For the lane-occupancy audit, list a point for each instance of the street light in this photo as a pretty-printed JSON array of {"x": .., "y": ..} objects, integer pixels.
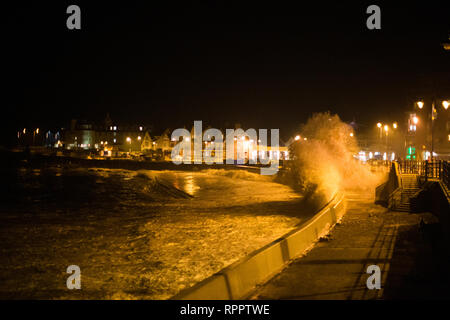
[
  {"x": 129, "y": 141},
  {"x": 420, "y": 104},
  {"x": 297, "y": 138},
  {"x": 380, "y": 126},
  {"x": 445, "y": 104},
  {"x": 386, "y": 129},
  {"x": 394, "y": 125}
]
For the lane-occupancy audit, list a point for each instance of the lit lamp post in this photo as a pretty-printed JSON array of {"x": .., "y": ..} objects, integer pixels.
[
  {"x": 35, "y": 132},
  {"x": 420, "y": 104},
  {"x": 129, "y": 142},
  {"x": 446, "y": 45},
  {"x": 386, "y": 130}
]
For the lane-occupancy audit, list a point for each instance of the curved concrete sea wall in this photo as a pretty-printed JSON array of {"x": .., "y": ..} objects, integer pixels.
[{"x": 239, "y": 279}]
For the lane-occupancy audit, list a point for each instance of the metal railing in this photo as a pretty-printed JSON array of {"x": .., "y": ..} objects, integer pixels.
[
  {"x": 437, "y": 169},
  {"x": 412, "y": 167},
  {"x": 446, "y": 174}
]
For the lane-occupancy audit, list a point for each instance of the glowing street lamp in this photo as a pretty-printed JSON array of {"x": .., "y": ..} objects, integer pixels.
[
  {"x": 351, "y": 134},
  {"x": 420, "y": 104},
  {"x": 129, "y": 141},
  {"x": 394, "y": 125},
  {"x": 445, "y": 104},
  {"x": 297, "y": 138},
  {"x": 386, "y": 128},
  {"x": 380, "y": 126},
  {"x": 416, "y": 120}
]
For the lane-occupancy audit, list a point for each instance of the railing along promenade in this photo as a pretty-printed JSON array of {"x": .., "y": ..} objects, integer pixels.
[{"x": 434, "y": 170}]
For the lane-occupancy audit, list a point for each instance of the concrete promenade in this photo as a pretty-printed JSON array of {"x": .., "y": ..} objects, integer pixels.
[{"x": 409, "y": 254}]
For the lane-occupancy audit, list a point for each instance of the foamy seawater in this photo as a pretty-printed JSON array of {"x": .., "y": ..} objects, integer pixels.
[{"x": 135, "y": 234}]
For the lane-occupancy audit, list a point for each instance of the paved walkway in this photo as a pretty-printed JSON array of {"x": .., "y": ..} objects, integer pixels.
[{"x": 408, "y": 255}]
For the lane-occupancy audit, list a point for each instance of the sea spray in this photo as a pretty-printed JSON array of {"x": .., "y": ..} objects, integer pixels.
[{"x": 323, "y": 160}]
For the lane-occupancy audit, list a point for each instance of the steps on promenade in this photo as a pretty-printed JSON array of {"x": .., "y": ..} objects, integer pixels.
[{"x": 401, "y": 199}]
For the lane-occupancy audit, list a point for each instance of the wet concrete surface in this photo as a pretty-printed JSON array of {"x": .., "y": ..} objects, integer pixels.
[{"x": 411, "y": 256}]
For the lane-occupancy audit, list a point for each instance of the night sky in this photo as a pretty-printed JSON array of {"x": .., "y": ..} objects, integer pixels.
[{"x": 262, "y": 65}]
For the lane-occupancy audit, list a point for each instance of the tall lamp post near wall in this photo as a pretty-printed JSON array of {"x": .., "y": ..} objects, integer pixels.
[
  {"x": 386, "y": 130},
  {"x": 129, "y": 142},
  {"x": 445, "y": 104}
]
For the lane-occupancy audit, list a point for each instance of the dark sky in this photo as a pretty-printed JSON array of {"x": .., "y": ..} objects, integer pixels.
[{"x": 262, "y": 65}]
